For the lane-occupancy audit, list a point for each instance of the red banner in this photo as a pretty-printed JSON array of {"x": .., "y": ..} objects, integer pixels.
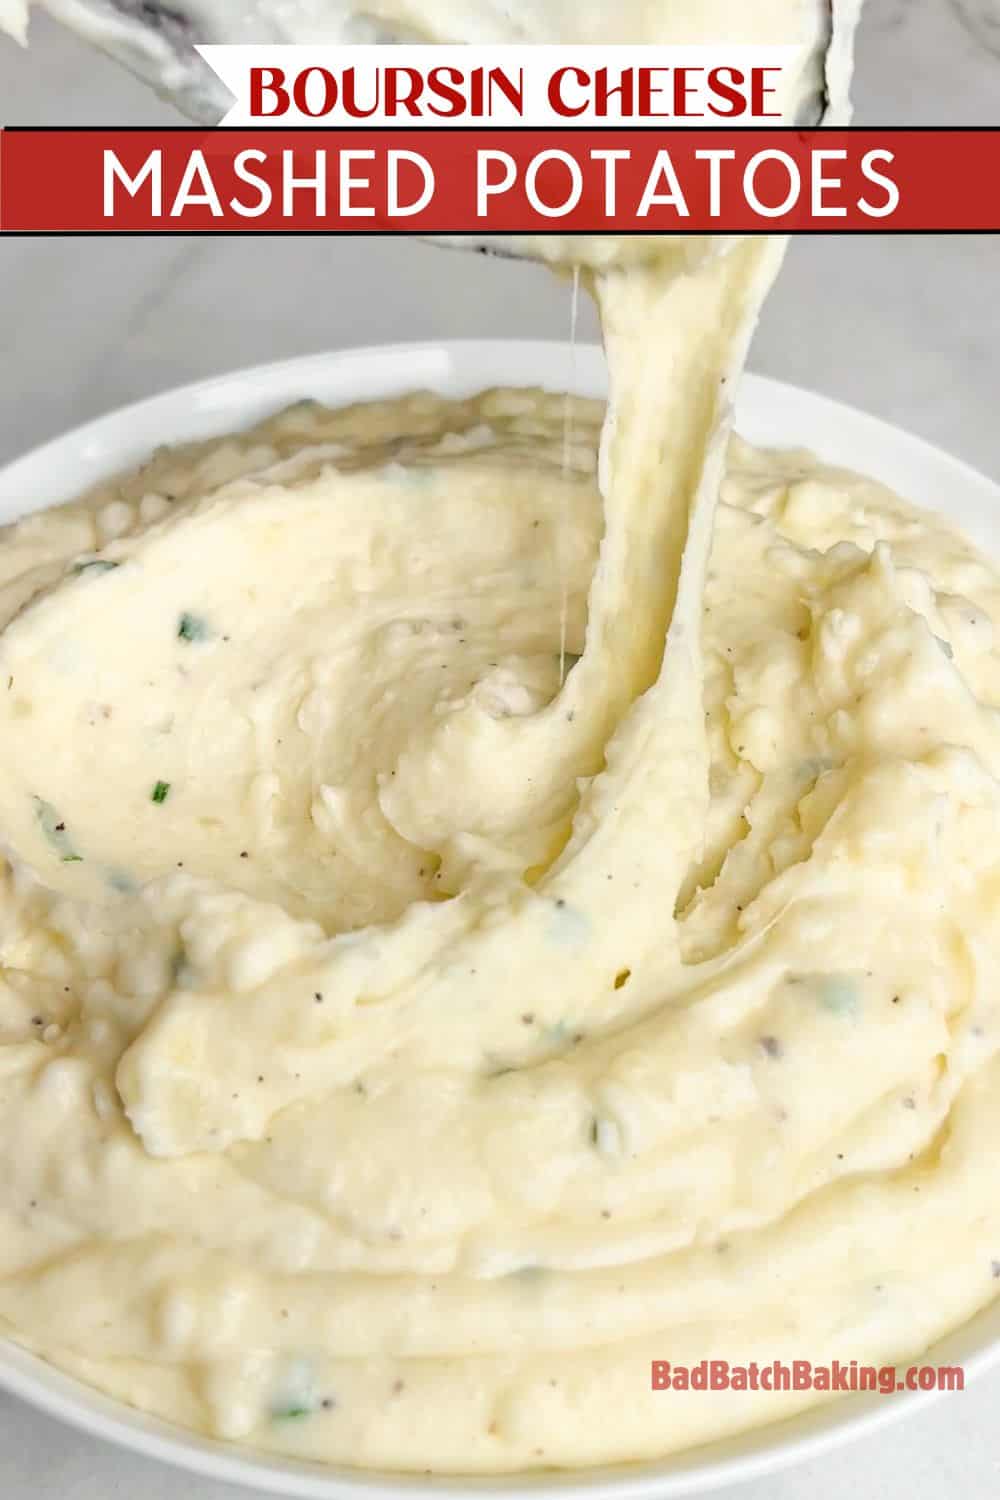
[{"x": 499, "y": 181}]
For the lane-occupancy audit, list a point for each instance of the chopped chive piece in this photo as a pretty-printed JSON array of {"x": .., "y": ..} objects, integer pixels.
[
  {"x": 529, "y": 1272},
  {"x": 192, "y": 628},
  {"x": 55, "y": 833},
  {"x": 96, "y": 565},
  {"x": 161, "y": 791},
  {"x": 839, "y": 993},
  {"x": 295, "y": 1394},
  {"x": 182, "y": 973}
]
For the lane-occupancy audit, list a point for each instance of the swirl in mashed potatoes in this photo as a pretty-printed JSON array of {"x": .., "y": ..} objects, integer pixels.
[{"x": 466, "y": 941}]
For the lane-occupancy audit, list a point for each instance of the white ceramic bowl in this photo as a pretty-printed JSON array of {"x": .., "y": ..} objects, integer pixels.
[{"x": 768, "y": 413}]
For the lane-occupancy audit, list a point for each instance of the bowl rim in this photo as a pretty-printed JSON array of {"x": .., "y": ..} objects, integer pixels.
[{"x": 68, "y": 464}]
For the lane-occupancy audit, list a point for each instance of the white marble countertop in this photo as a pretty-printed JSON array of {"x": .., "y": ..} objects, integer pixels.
[{"x": 906, "y": 327}]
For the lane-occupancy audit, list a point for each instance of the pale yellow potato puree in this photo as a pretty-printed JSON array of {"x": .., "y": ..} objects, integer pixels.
[{"x": 442, "y": 1045}]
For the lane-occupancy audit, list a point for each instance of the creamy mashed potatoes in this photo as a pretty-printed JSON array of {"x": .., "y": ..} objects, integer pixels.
[
  {"x": 467, "y": 938},
  {"x": 370, "y": 1090}
]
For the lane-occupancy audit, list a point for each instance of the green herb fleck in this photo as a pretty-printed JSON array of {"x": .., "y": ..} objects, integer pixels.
[
  {"x": 569, "y": 927},
  {"x": 605, "y": 1136},
  {"x": 182, "y": 973},
  {"x": 160, "y": 792},
  {"x": 192, "y": 628},
  {"x": 295, "y": 1396},
  {"x": 54, "y": 829},
  {"x": 839, "y": 993},
  {"x": 562, "y": 1034},
  {"x": 529, "y": 1272},
  {"x": 96, "y": 565}
]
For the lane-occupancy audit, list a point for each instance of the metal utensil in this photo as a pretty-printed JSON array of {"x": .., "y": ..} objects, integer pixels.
[{"x": 156, "y": 40}]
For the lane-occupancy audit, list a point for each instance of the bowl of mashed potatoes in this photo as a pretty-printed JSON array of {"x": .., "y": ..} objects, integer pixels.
[{"x": 457, "y": 952}]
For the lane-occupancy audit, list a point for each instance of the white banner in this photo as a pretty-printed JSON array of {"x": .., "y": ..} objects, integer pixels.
[{"x": 571, "y": 87}]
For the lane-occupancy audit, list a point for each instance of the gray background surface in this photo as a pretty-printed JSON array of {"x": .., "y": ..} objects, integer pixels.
[{"x": 906, "y": 327}]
